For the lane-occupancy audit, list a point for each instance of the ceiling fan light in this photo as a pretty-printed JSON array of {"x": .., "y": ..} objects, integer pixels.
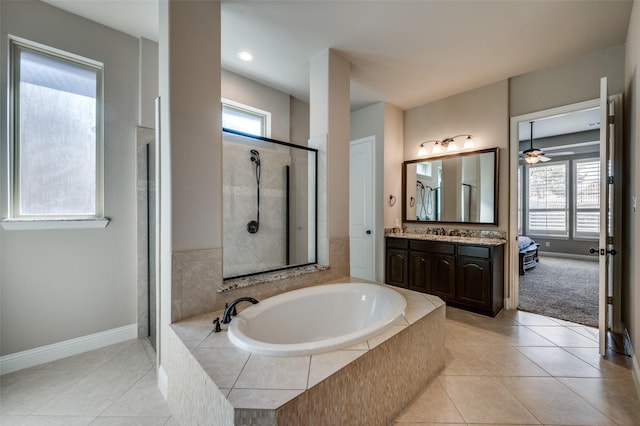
[
  {"x": 532, "y": 159},
  {"x": 468, "y": 143}
]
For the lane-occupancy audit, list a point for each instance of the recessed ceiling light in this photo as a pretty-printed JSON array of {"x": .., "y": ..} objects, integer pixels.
[{"x": 245, "y": 56}]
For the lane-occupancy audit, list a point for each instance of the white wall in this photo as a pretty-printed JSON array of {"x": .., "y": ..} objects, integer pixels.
[
  {"x": 62, "y": 284},
  {"x": 631, "y": 249}
]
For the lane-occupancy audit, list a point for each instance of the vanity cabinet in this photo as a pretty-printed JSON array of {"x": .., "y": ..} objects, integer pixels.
[
  {"x": 397, "y": 262},
  {"x": 467, "y": 276}
]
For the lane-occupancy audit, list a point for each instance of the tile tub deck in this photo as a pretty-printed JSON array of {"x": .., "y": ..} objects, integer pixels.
[{"x": 213, "y": 382}]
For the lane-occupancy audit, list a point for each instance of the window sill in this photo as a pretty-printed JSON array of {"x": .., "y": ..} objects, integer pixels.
[{"x": 28, "y": 225}]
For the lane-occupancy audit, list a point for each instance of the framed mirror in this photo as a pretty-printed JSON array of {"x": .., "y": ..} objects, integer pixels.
[{"x": 456, "y": 188}]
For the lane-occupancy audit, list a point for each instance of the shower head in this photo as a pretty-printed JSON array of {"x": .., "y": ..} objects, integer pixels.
[
  {"x": 420, "y": 184},
  {"x": 255, "y": 157}
]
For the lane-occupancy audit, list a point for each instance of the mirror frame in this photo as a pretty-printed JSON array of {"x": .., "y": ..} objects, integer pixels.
[{"x": 495, "y": 152}]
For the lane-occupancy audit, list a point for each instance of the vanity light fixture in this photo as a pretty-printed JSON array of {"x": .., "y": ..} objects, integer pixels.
[{"x": 447, "y": 143}]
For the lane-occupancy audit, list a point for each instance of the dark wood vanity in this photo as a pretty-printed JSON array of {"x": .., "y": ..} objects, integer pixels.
[{"x": 465, "y": 275}]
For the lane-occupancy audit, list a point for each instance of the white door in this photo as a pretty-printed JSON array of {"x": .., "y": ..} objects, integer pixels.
[
  {"x": 606, "y": 249},
  {"x": 362, "y": 208}
]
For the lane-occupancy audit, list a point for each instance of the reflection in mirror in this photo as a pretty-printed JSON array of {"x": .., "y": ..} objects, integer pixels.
[
  {"x": 269, "y": 211},
  {"x": 453, "y": 188}
]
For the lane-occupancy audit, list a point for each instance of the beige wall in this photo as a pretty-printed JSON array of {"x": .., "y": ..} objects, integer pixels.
[
  {"x": 249, "y": 92},
  {"x": 631, "y": 249},
  {"x": 482, "y": 113},
  {"x": 568, "y": 83},
  {"x": 62, "y": 284}
]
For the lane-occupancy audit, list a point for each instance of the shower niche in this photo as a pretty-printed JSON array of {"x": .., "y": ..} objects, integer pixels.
[{"x": 269, "y": 205}]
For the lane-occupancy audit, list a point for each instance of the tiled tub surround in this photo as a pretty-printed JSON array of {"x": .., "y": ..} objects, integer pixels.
[
  {"x": 370, "y": 383},
  {"x": 198, "y": 287}
]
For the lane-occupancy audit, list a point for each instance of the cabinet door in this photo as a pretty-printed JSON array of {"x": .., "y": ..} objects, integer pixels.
[
  {"x": 419, "y": 269},
  {"x": 443, "y": 276},
  {"x": 473, "y": 278},
  {"x": 397, "y": 267}
]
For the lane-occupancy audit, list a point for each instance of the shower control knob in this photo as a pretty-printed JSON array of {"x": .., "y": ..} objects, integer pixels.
[{"x": 368, "y": 231}]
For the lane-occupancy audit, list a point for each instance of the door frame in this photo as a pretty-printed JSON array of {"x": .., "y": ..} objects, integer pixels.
[
  {"x": 374, "y": 214},
  {"x": 513, "y": 285}
]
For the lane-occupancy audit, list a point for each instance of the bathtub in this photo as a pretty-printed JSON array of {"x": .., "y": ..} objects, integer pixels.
[{"x": 316, "y": 319}]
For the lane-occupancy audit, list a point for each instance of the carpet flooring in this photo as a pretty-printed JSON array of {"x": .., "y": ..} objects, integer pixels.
[{"x": 562, "y": 288}]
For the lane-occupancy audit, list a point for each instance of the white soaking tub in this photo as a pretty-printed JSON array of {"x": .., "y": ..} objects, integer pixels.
[{"x": 316, "y": 319}]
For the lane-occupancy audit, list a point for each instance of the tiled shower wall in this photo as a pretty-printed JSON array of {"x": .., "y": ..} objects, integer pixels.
[{"x": 246, "y": 253}]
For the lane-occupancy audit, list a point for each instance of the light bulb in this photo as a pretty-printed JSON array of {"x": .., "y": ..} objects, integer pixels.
[
  {"x": 437, "y": 149},
  {"x": 452, "y": 146},
  {"x": 532, "y": 160},
  {"x": 468, "y": 143},
  {"x": 422, "y": 151}
]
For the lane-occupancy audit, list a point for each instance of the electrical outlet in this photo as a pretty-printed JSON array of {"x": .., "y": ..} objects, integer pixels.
[{"x": 547, "y": 244}]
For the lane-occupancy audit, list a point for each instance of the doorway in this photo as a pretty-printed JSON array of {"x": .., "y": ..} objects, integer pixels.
[
  {"x": 558, "y": 215},
  {"x": 609, "y": 111}
]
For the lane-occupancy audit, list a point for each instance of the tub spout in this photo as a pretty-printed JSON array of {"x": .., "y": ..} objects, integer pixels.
[{"x": 226, "y": 317}]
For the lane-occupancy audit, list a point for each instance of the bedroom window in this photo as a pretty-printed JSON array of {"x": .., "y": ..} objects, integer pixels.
[
  {"x": 56, "y": 134},
  {"x": 587, "y": 203},
  {"x": 245, "y": 119},
  {"x": 547, "y": 195}
]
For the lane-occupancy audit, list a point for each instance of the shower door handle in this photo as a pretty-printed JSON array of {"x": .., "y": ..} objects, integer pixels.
[{"x": 368, "y": 231}]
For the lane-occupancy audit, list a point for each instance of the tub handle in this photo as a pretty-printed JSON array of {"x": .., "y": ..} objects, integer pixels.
[{"x": 216, "y": 325}]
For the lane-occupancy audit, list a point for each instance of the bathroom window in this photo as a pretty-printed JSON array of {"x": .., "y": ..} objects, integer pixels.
[
  {"x": 56, "y": 134},
  {"x": 245, "y": 119}
]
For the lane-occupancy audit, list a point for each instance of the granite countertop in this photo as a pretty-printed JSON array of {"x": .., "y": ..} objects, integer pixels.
[{"x": 450, "y": 238}]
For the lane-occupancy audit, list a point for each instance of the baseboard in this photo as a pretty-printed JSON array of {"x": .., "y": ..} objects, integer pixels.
[
  {"x": 32, "y": 357},
  {"x": 163, "y": 382},
  {"x": 635, "y": 365},
  {"x": 568, "y": 255}
]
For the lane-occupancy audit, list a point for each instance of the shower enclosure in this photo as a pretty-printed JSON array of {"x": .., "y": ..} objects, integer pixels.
[{"x": 269, "y": 211}]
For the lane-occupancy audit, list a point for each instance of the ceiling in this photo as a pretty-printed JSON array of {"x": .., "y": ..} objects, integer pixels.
[{"x": 407, "y": 53}]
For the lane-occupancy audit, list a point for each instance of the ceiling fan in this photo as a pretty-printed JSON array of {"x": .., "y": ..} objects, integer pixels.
[{"x": 534, "y": 155}]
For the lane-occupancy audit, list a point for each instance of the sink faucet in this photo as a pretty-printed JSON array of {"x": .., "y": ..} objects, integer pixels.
[{"x": 228, "y": 311}]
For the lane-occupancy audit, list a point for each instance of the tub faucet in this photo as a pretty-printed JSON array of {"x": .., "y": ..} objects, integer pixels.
[{"x": 230, "y": 309}]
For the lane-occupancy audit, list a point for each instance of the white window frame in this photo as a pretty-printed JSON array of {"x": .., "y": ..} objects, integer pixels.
[
  {"x": 264, "y": 116},
  {"x": 16, "y": 221}
]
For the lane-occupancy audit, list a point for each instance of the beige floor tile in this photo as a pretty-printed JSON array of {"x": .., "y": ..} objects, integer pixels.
[
  {"x": 490, "y": 361},
  {"x": 10, "y": 420},
  {"x": 485, "y": 400},
  {"x": 612, "y": 366},
  {"x": 92, "y": 394},
  {"x": 527, "y": 318},
  {"x": 433, "y": 405},
  {"x": 496, "y": 336},
  {"x": 560, "y": 363},
  {"x": 261, "y": 372},
  {"x": 551, "y": 402},
  {"x": 133, "y": 357},
  {"x": 589, "y": 332},
  {"x": 88, "y": 361},
  {"x": 615, "y": 398},
  {"x": 142, "y": 400},
  {"x": 22, "y": 392},
  {"x": 130, "y": 421},
  {"x": 564, "y": 336},
  {"x": 171, "y": 422},
  {"x": 55, "y": 421}
]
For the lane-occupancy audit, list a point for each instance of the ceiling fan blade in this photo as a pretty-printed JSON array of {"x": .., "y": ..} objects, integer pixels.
[
  {"x": 544, "y": 159},
  {"x": 554, "y": 154}
]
